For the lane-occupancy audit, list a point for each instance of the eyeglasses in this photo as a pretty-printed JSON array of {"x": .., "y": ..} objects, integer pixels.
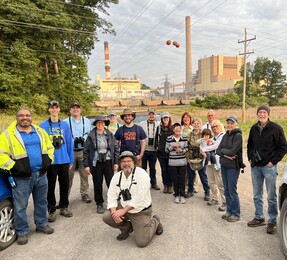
[{"x": 215, "y": 126}]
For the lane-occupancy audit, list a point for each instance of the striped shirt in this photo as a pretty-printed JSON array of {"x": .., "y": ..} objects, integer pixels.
[{"x": 176, "y": 159}]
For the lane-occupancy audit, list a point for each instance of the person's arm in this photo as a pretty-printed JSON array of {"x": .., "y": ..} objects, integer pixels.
[
  {"x": 86, "y": 155},
  {"x": 235, "y": 148},
  {"x": 70, "y": 144},
  {"x": 281, "y": 146},
  {"x": 214, "y": 146}
]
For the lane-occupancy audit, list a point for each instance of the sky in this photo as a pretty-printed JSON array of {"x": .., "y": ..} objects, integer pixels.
[{"x": 144, "y": 26}]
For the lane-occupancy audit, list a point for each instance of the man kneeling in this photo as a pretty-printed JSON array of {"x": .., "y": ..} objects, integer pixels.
[{"x": 129, "y": 203}]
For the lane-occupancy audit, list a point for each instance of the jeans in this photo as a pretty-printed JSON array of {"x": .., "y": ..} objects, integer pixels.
[
  {"x": 150, "y": 156},
  {"x": 269, "y": 174},
  {"x": 203, "y": 179},
  {"x": 38, "y": 186},
  {"x": 230, "y": 179},
  {"x": 165, "y": 173}
]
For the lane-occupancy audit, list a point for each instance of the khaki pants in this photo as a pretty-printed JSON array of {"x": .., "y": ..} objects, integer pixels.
[
  {"x": 84, "y": 178},
  {"x": 143, "y": 224},
  {"x": 215, "y": 183}
]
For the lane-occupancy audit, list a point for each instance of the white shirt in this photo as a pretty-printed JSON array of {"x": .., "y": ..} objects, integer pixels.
[
  {"x": 139, "y": 190},
  {"x": 150, "y": 130}
]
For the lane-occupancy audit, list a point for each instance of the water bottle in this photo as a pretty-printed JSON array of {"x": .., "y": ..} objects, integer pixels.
[{"x": 12, "y": 181}]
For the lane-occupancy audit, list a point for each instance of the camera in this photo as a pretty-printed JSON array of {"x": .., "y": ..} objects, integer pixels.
[
  {"x": 57, "y": 141},
  {"x": 79, "y": 143},
  {"x": 150, "y": 141},
  {"x": 126, "y": 194},
  {"x": 102, "y": 157}
]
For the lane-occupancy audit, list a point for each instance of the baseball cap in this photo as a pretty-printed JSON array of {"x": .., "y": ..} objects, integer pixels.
[
  {"x": 112, "y": 114},
  {"x": 165, "y": 114},
  {"x": 232, "y": 118},
  {"x": 53, "y": 103},
  {"x": 75, "y": 104}
]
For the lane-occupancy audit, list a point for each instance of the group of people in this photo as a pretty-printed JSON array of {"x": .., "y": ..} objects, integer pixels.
[{"x": 121, "y": 153}]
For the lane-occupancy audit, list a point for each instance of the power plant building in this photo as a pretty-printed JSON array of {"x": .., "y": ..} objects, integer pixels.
[{"x": 218, "y": 73}]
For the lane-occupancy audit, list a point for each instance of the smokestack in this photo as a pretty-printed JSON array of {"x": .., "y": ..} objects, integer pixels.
[
  {"x": 188, "y": 66},
  {"x": 107, "y": 61}
]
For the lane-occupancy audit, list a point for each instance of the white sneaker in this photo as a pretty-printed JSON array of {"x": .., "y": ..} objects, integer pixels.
[
  {"x": 209, "y": 163},
  {"x": 182, "y": 200},
  {"x": 176, "y": 200}
]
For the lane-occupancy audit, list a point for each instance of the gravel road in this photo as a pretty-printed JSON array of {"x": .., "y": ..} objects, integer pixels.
[{"x": 191, "y": 231}]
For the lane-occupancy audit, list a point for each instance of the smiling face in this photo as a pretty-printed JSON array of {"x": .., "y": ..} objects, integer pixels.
[
  {"x": 128, "y": 118},
  {"x": 151, "y": 117},
  {"x": 24, "y": 119},
  {"x": 54, "y": 111},
  {"x": 196, "y": 125},
  {"x": 210, "y": 116},
  {"x": 186, "y": 120},
  {"x": 230, "y": 125},
  {"x": 263, "y": 117},
  {"x": 127, "y": 164},
  {"x": 75, "y": 111},
  {"x": 100, "y": 125}
]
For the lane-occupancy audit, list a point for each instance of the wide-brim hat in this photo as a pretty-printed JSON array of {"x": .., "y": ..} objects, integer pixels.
[
  {"x": 128, "y": 154},
  {"x": 102, "y": 118},
  {"x": 128, "y": 111}
]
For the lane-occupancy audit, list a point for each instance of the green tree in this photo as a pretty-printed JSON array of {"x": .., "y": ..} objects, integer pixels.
[
  {"x": 43, "y": 50},
  {"x": 268, "y": 74}
]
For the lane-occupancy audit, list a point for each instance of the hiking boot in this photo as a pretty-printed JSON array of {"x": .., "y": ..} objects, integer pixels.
[
  {"x": 22, "y": 240},
  {"x": 122, "y": 236},
  {"x": 176, "y": 200},
  {"x": 45, "y": 230},
  {"x": 169, "y": 190},
  {"x": 100, "y": 209},
  {"x": 155, "y": 187},
  {"x": 232, "y": 218},
  {"x": 222, "y": 207},
  {"x": 256, "y": 222},
  {"x": 182, "y": 200},
  {"x": 86, "y": 198},
  {"x": 212, "y": 202},
  {"x": 225, "y": 216},
  {"x": 159, "y": 229},
  {"x": 189, "y": 194},
  {"x": 165, "y": 189},
  {"x": 207, "y": 197},
  {"x": 52, "y": 217},
  {"x": 271, "y": 228},
  {"x": 66, "y": 213}
]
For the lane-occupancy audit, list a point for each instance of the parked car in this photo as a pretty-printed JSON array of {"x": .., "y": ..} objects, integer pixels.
[
  {"x": 7, "y": 230},
  {"x": 282, "y": 199}
]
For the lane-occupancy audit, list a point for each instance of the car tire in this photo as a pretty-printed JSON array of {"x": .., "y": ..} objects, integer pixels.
[{"x": 7, "y": 230}]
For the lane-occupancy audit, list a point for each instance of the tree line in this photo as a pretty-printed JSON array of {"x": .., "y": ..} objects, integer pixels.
[{"x": 44, "y": 47}]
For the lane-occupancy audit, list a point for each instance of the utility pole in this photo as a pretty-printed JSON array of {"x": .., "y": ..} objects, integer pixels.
[{"x": 246, "y": 42}]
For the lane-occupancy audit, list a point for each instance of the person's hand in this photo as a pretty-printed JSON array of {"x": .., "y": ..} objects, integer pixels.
[
  {"x": 70, "y": 167},
  {"x": 139, "y": 157},
  {"x": 270, "y": 164},
  {"x": 116, "y": 167},
  {"x": 204, "y": 154},
  {"x": 87, "y": 170},
  {"x": 118, "y": 215}
]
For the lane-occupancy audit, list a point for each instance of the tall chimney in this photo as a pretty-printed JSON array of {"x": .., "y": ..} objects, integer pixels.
[
  {"x": 107, "y": 61},
  {"x": 188, "y": 66}
]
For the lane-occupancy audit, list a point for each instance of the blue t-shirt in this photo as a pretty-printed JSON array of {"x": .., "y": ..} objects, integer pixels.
[
  {"x": 65, "y": 153},
  {"x": 130, "y": 138},
  {"x": 33, "y": 148}
]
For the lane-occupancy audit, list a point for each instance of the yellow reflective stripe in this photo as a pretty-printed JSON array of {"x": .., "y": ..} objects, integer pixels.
[{"x": 7, "y": 164}]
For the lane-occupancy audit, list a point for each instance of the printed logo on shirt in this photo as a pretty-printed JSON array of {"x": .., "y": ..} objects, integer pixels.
[{"x": 130, "y": 136}]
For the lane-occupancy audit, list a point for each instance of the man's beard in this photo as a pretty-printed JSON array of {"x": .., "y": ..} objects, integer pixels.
[{"x": 128, "y": 170}]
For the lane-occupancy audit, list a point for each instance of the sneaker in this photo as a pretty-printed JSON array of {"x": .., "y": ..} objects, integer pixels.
[
  {"x": 216, "y": 167},
  {"x": 65, "y": 212},
  {"x": 209, "y": 163},
  {"x": 212, "y": 202},
  {"x": 222, "y": 207},
  {"x": 52, "y": 217},
  {"x": 232, "y": 218},
  {"x": 86, "y": 198},
  {"x": 195, "y": 191},
  {"x": 45, "y": 230},
  {"x": 207, "y": 197},
  {"x": 225, "y": 216},
  {"x": 22, "y": 240},
  {"x": 176, "y": 200},
  {"x": 271, "y": 228},
  {"x": 182, "y": 200},
  {"x": 256, "y": 222},
  {"x": 100, "y": 209},
  {"x": 159, "y": 229},
  {"x": 155, "y": 187}
]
